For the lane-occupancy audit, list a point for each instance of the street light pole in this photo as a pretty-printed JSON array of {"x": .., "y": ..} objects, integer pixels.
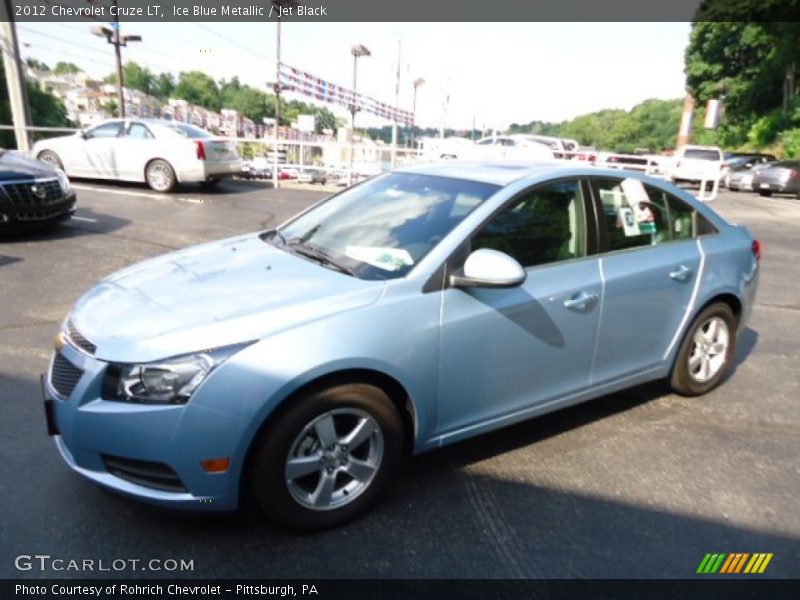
[
  {"x": 114, "y": 37},
  {"x": 357, "y": 51},
  {"x": 417, "y": 83},
  {"x": 275, "y": 180}
]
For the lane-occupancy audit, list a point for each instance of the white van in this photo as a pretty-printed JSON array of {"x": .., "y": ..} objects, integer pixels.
[{"x": 696, "y": 164}]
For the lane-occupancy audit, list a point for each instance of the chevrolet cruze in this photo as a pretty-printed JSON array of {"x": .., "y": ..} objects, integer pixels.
[{"x": 419, "y": 308}]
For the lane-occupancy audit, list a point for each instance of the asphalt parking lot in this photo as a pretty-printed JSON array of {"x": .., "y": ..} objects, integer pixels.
[{"x": 632, "y": 485}]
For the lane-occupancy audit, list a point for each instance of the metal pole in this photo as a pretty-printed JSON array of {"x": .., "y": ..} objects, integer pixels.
[
  {"x": 396, "y": 104},
  {"x": 275, "y": 179},
  {"x": 414, "y": 117},
  {"x": 117, "y": 41},
  {"x": 17, "y": 94},
  {"x": 352, "y": 123}
]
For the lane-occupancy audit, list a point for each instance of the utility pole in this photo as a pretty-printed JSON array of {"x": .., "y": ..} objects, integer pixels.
[
  {"x": 114, "y": 37},
  {"x": 396, "y": 104},
  {"x": 15, "y": 79}
]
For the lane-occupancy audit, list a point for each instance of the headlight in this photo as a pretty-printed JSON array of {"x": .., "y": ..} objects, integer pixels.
[
  {"x": 170, "y": 381},
  {"x": 63, "y": 180}
]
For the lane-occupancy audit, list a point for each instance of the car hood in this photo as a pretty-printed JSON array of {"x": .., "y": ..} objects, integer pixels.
[
  {"x": 209, "y": 296},
  {"x": 14, "y": 165}
]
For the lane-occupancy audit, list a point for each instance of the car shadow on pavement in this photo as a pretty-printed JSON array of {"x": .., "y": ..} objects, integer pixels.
[
  {"x": 225, "y": 187},
  {"x": 85, "y": 222}
]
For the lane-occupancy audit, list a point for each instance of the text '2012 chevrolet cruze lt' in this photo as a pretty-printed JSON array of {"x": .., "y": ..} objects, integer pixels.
[{"x": 419, "y": 308}]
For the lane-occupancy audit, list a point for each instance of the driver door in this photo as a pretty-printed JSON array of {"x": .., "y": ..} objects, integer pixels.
[
  {"x": 504, "y": 351},
  {"x": 94, "y": 154}
]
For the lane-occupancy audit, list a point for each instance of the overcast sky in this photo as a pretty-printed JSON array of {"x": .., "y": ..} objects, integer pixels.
[{"x": 496, "y": 73}]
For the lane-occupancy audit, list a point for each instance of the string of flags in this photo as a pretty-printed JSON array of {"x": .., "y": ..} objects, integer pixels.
[{"x": 295, "y": 80}]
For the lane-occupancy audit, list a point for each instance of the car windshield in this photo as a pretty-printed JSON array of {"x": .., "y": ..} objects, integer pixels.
[
  {"x": 188, "y": 131},
  {"x": 700, "y": 154},
  {"x": 383, "y": 227}
]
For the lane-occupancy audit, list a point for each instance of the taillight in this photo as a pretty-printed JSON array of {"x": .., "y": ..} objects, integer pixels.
[
  {"x": 200, "y": 150},
  {"x": 756, "y": 247},
  {"x": 794, "y": 173}
]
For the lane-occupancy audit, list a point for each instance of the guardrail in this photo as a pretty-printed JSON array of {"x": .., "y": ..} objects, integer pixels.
[{"x": 370, "y": 159}]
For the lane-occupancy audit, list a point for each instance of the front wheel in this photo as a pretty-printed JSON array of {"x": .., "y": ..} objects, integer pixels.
[
  {"x": 706, "y": 352},
  {"x": 326, "y": 458},
  {"x": 160, "y": 176},
  {"x": 765, "y": 193}
]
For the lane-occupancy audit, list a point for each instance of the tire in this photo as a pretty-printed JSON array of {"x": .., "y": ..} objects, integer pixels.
[
  {"x": 160, "y": 176},
  {"x": 765, "y": 193},
  {"x": 701, "y": 362},
  {"x": 50, "y": 158},
  {"x": 302, "y": 502}
]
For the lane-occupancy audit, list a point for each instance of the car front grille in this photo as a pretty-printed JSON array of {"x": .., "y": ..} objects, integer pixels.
[
  {"x": 38, "y": 194},
  {"x": 143, "y": 472},
  {"x": 78, "y": 339},
  {"x": 64, "y": 376}
]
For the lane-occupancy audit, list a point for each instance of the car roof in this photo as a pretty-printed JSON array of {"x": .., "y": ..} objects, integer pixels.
[{"x": 496, "y": 172}]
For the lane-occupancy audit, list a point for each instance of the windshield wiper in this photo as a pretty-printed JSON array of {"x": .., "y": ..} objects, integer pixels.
[{"x": 300, "y": 247}]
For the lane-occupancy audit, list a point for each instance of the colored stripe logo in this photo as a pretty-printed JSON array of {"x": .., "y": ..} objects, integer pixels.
[{"x": 734, "y": 562}]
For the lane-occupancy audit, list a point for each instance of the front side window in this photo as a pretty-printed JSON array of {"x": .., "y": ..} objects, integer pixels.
[
  {"x": 546, "y": 225},
  {"x": 383, "y": 227}
]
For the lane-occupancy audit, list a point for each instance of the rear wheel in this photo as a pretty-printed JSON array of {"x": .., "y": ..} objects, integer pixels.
[
  {"x": 765, "y": 193},
  {"x": 50, "y": 158},
  {"x": 160, "y": 176},
  {"x": 706, "y": 352},
  {"x": 327, "y": 457}
]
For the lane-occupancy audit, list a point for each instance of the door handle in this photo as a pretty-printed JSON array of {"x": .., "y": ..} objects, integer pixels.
[
  {"x": 682, "y": 273},
  {"x": 580, "y": 301}
]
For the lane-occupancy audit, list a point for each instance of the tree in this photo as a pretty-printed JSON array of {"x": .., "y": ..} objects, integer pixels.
[
  {"x": 111, "y": 108},
  {"x": 163, "y": 86},
  {"x": 198, "y": 88},
  {"x": 36, "y": 64},
  {"x": 46, "y": 110},
  {"x": 65, "y": 68},
  {"x": 136, "y": 77}
]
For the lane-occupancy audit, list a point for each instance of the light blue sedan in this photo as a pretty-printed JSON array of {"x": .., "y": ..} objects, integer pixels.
[{"x": 419, "y": 308}]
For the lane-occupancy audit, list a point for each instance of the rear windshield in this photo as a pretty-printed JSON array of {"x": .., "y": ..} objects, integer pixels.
[
  {"x": 701, "y": 154},
  {"x": 188, "y": 131}
]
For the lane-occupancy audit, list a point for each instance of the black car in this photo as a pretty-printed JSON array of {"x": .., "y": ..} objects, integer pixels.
[{"x": 32, "y": 194}]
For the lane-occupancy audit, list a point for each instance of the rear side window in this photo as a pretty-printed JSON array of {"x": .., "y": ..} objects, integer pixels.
[
  {"x": 639, "y": 215},
  {"x": 139, "y": 131},
  {"x": 188, "y": 131},
  {"x": 701, "y": 154}
]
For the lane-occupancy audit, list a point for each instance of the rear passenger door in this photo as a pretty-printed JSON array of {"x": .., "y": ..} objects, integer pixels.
[{"x": 650, "y": 262}]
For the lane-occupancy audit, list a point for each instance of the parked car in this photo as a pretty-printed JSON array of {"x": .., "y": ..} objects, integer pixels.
[
  {"x": 512, "y": 148},
  {"x": 741, "y": 179},
  {"x": 779, "y": 178},
  {"x": 32, "y": 194},
  {"x": 694, "y": 164},
  {"x": 422, "y": 307},
  {"x": 156, "y": 151},
  {"x": 312, "y": 176},
  {"x": 741, "y": 162}
]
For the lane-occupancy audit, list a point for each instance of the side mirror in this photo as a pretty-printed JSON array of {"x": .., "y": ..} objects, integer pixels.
[{"x": 490, "y": 269}]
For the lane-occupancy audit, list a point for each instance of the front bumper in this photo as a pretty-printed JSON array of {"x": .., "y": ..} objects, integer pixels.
[
  {"x": 17, "y": 216},
  {"x": 88, "y": 430}
]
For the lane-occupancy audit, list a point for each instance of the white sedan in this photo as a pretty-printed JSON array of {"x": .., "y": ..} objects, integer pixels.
[{"x": 159, "y": 152}]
